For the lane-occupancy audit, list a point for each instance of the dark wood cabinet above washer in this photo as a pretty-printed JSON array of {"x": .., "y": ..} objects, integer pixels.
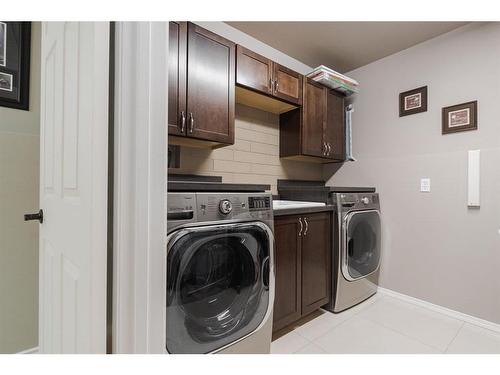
[
  {"x": 316, "y": 131},
  {"x": 281, "y": 87},
  {"x": 208, "y": 74},
  {"x": 201, "y": 86},
  {"x": 253, "y": 70},
  {"x": 177, "y": 35},
  {"x": 287, "y": 84}
]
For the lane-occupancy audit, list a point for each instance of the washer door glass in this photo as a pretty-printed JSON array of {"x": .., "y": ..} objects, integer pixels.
[
  {"x": 217, "y": 286},
  {"x": 362, "y": 243}
]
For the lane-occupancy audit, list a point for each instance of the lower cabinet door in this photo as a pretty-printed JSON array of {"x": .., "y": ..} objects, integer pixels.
[
  {"x": 316, "y": 261},
  {"x": 287, "y": 302}
]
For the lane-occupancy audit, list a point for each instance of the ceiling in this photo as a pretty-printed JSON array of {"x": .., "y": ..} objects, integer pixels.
[{"x": 343, "y": 46}]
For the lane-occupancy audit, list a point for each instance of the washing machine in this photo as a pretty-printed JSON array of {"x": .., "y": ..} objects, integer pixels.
[
  {"x": 357, "y": 247},
  {"x": 219, "y": 273}
]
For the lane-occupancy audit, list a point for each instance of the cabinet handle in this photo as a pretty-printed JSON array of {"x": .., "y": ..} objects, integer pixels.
[
  {"x": 324, "y": 149},
  {"x": 329, "y": 149},
  {"x": 276, "y": 86},
  {"x": 301, "y": 227},
  {"x": 191, "y": 122},
  {"x": 307, "y": 226},
  {"x": 183, "y": 121}
]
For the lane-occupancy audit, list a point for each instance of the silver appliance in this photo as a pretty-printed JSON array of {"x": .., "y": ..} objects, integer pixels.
[
  {"x": 220, "y": 273},
  {"x": 357, "y": 248}
]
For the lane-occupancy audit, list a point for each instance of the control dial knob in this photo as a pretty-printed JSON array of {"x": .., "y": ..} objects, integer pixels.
[
  {"x": 365, "y": 200},
  {"x": 225, "y": 206}
]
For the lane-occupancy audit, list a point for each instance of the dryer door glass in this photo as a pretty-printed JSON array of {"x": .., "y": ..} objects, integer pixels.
[
  {"x": 362, "y": 243},
  {"x": 217, "y": 285}
]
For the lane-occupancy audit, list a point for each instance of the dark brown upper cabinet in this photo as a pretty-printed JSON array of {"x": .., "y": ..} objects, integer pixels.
[
  {"x": 314, "y": 118},
  {"x": 201, "y": 86},
  {"x": 287, "y": 84},
  {"x": 303, "y": 249},
  {"x": 253, "y": 70},
  {"x": 177, "y": 78},
  {"x": 316, "y": 131},
  {"x": 255, "y": 74},
  {"x": 335, "y": 125}
]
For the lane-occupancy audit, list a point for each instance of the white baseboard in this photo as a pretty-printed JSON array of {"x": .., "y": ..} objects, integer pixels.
[
  {"x": 30, "y": 351},
  {"x": 443, "y": 310}
]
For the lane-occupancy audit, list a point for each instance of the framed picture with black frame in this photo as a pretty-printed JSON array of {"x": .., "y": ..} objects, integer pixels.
[
  {"x": 413, "y": 101},
  {"x": 459, "y": 118},
  {"x": 15, "y": 45}
]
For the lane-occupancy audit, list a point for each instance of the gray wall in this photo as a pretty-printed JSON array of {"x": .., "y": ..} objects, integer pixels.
[
  {"x": 19, "y": 173},
  {"x": 434, "y": 247}
]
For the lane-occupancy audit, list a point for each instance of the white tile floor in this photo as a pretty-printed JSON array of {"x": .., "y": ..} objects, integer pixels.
[{"x": 385, "y": 324}]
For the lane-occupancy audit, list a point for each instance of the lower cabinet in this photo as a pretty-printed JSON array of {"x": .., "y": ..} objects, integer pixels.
[{"x": 303, "y": 266}]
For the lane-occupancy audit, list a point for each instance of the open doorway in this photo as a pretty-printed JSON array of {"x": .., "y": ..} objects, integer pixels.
[{"x": 19, "y": 194}]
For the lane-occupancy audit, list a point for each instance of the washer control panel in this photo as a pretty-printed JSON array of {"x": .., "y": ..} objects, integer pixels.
[
  {"x": 259, "y": 203},
  {"x": 225, "y": 206},
  {"x": 348, "y": 201},
  {"x": 190, "y": 208}
]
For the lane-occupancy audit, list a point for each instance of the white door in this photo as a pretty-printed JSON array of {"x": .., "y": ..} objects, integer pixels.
[{"x": 73, "y": 187}]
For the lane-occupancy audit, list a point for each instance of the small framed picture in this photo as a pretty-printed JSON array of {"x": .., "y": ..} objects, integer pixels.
[
  {"x": 459, "y": 118},
  {"x": 413, "y": 101},
  {"x": 15, "y": 45}
]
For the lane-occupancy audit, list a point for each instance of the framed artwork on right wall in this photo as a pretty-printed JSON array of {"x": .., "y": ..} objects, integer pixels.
[{"x": 459, "y": 117}]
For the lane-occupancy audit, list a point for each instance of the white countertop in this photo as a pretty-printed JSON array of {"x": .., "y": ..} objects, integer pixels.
[{"x": 281, "y": 204}]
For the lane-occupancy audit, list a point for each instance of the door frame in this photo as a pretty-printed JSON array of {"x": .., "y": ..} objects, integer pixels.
[{"x": 140, "y": 186}]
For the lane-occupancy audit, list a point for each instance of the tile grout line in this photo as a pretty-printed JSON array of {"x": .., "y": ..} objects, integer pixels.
[
  {"x": 301, "y": 347},
  {"x": 454, "y": 337},
  {"x": 403, "y": 334},
  {"x": 344, "y": 321},
  {"x": 412, "y": 306}
]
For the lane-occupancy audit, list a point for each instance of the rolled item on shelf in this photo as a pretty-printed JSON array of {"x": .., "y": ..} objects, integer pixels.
[{"x": 334, "y": 80}]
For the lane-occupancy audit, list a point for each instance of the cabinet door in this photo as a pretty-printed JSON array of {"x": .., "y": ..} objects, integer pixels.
[
  {"x": 210, "y": 86},
  {"x": 253, "y": 71},
  {"x": 314, "y": 119},
  {"x": 334, "y": 127},
  {"x": 287, "y": 301},
  {"x": 316, "y": 261},
  {"x": 287, "y": 84},
  {"x": 177, "y": 78}
]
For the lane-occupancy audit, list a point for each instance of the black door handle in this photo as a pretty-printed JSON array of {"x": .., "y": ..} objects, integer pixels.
[
  {"x": 350, "y": 247},
  {"x": 38, "y": 216},
  {"x": 265, "y": 273}
]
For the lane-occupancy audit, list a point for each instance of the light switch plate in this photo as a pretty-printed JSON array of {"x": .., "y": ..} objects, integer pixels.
[{"x": 425, "y": 185}]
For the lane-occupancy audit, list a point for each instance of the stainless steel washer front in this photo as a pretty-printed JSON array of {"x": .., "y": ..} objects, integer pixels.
[
  {"x": 357, "y": 249},
  {"x": 220, "y": 272},
  {"x": 360, "y": 244}
]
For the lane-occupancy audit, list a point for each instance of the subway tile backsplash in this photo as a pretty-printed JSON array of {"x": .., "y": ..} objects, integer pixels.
[{"x": 254, "y": 157}]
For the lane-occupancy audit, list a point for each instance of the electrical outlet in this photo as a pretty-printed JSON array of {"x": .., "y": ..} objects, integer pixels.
[{"x": 425, "y": 185}]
